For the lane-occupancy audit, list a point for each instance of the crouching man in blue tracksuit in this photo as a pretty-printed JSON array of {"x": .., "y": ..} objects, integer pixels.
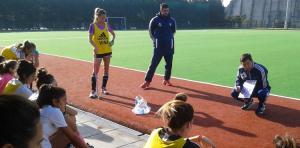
[
  {"x": 250, "y": 70},
  {"x": 162, "y": 28}
]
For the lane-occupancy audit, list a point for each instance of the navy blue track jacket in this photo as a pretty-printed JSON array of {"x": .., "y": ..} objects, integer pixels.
[
  {"x": 258, "y": 72},
  {"x": 162, "y": 29}
]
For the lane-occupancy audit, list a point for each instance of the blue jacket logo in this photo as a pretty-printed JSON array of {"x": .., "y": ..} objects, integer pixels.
[{"x": 159, "y": 24}]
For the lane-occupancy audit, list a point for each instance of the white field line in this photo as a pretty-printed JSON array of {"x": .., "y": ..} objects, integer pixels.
[
  {"x": 162, "y": 75},
  {"x": 58, "y": 38}
]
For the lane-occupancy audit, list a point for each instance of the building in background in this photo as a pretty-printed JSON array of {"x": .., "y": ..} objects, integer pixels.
[{"x": 265, "y": 13}]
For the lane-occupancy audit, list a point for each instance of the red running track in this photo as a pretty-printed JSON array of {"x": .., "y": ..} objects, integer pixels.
[{"x": 217, "y": 115}]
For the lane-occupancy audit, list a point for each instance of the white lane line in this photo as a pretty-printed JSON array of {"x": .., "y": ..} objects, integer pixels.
[{"x": 42, "y": 39}]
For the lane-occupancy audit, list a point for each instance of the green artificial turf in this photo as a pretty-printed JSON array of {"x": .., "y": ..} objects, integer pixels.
[{"x": 202, "y": 55}]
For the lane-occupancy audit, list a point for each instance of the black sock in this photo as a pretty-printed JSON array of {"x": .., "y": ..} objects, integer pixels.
[
  {"x": 94, "y": 82},
  {"x": 104, "y": 81}
]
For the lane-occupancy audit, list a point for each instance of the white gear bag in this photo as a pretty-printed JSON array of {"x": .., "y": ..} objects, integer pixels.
[{"x": 141, "y": 107}]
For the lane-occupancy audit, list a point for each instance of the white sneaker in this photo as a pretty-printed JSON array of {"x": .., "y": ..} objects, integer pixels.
[
  {"x": 104, "y": 91},
  {"x": 93, "y": 95}
]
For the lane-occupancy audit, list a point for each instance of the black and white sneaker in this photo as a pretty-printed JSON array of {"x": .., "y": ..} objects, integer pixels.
[
  {"x": 247, "y": 104},
  {"x": 260, "y": 109},
  {"x": 93, "y": 95},
  {"x": 104, "y": 91}
]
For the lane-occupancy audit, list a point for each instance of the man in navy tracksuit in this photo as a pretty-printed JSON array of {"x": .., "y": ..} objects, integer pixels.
[
  {"x": 250, "y": 70},
  {"x": 162, "y": 28}
]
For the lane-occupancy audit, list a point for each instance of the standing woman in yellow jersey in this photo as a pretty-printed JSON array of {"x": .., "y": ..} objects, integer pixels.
[{"x": 100, "y": 40}]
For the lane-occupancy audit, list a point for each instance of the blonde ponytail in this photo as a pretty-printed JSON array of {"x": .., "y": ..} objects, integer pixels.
[
  {"x": 286, "y": 141},
  {"x": 176, "y": 113}
]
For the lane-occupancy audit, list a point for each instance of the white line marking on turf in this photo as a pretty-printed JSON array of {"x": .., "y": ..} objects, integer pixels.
[
  {"x": 298, "y": 99},
  {"x": 59, "y": 38}
]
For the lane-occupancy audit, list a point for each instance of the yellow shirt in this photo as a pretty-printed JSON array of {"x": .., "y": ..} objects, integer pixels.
[
  {"x": 16, "y": 87},
  {"x": 101, "y": 39},
  {"x": 154, "y": 141},
  {"x": 11, "y": 53}
]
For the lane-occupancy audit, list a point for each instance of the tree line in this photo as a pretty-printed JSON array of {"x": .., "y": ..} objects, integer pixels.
[{"x": 68, "y": 14}]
